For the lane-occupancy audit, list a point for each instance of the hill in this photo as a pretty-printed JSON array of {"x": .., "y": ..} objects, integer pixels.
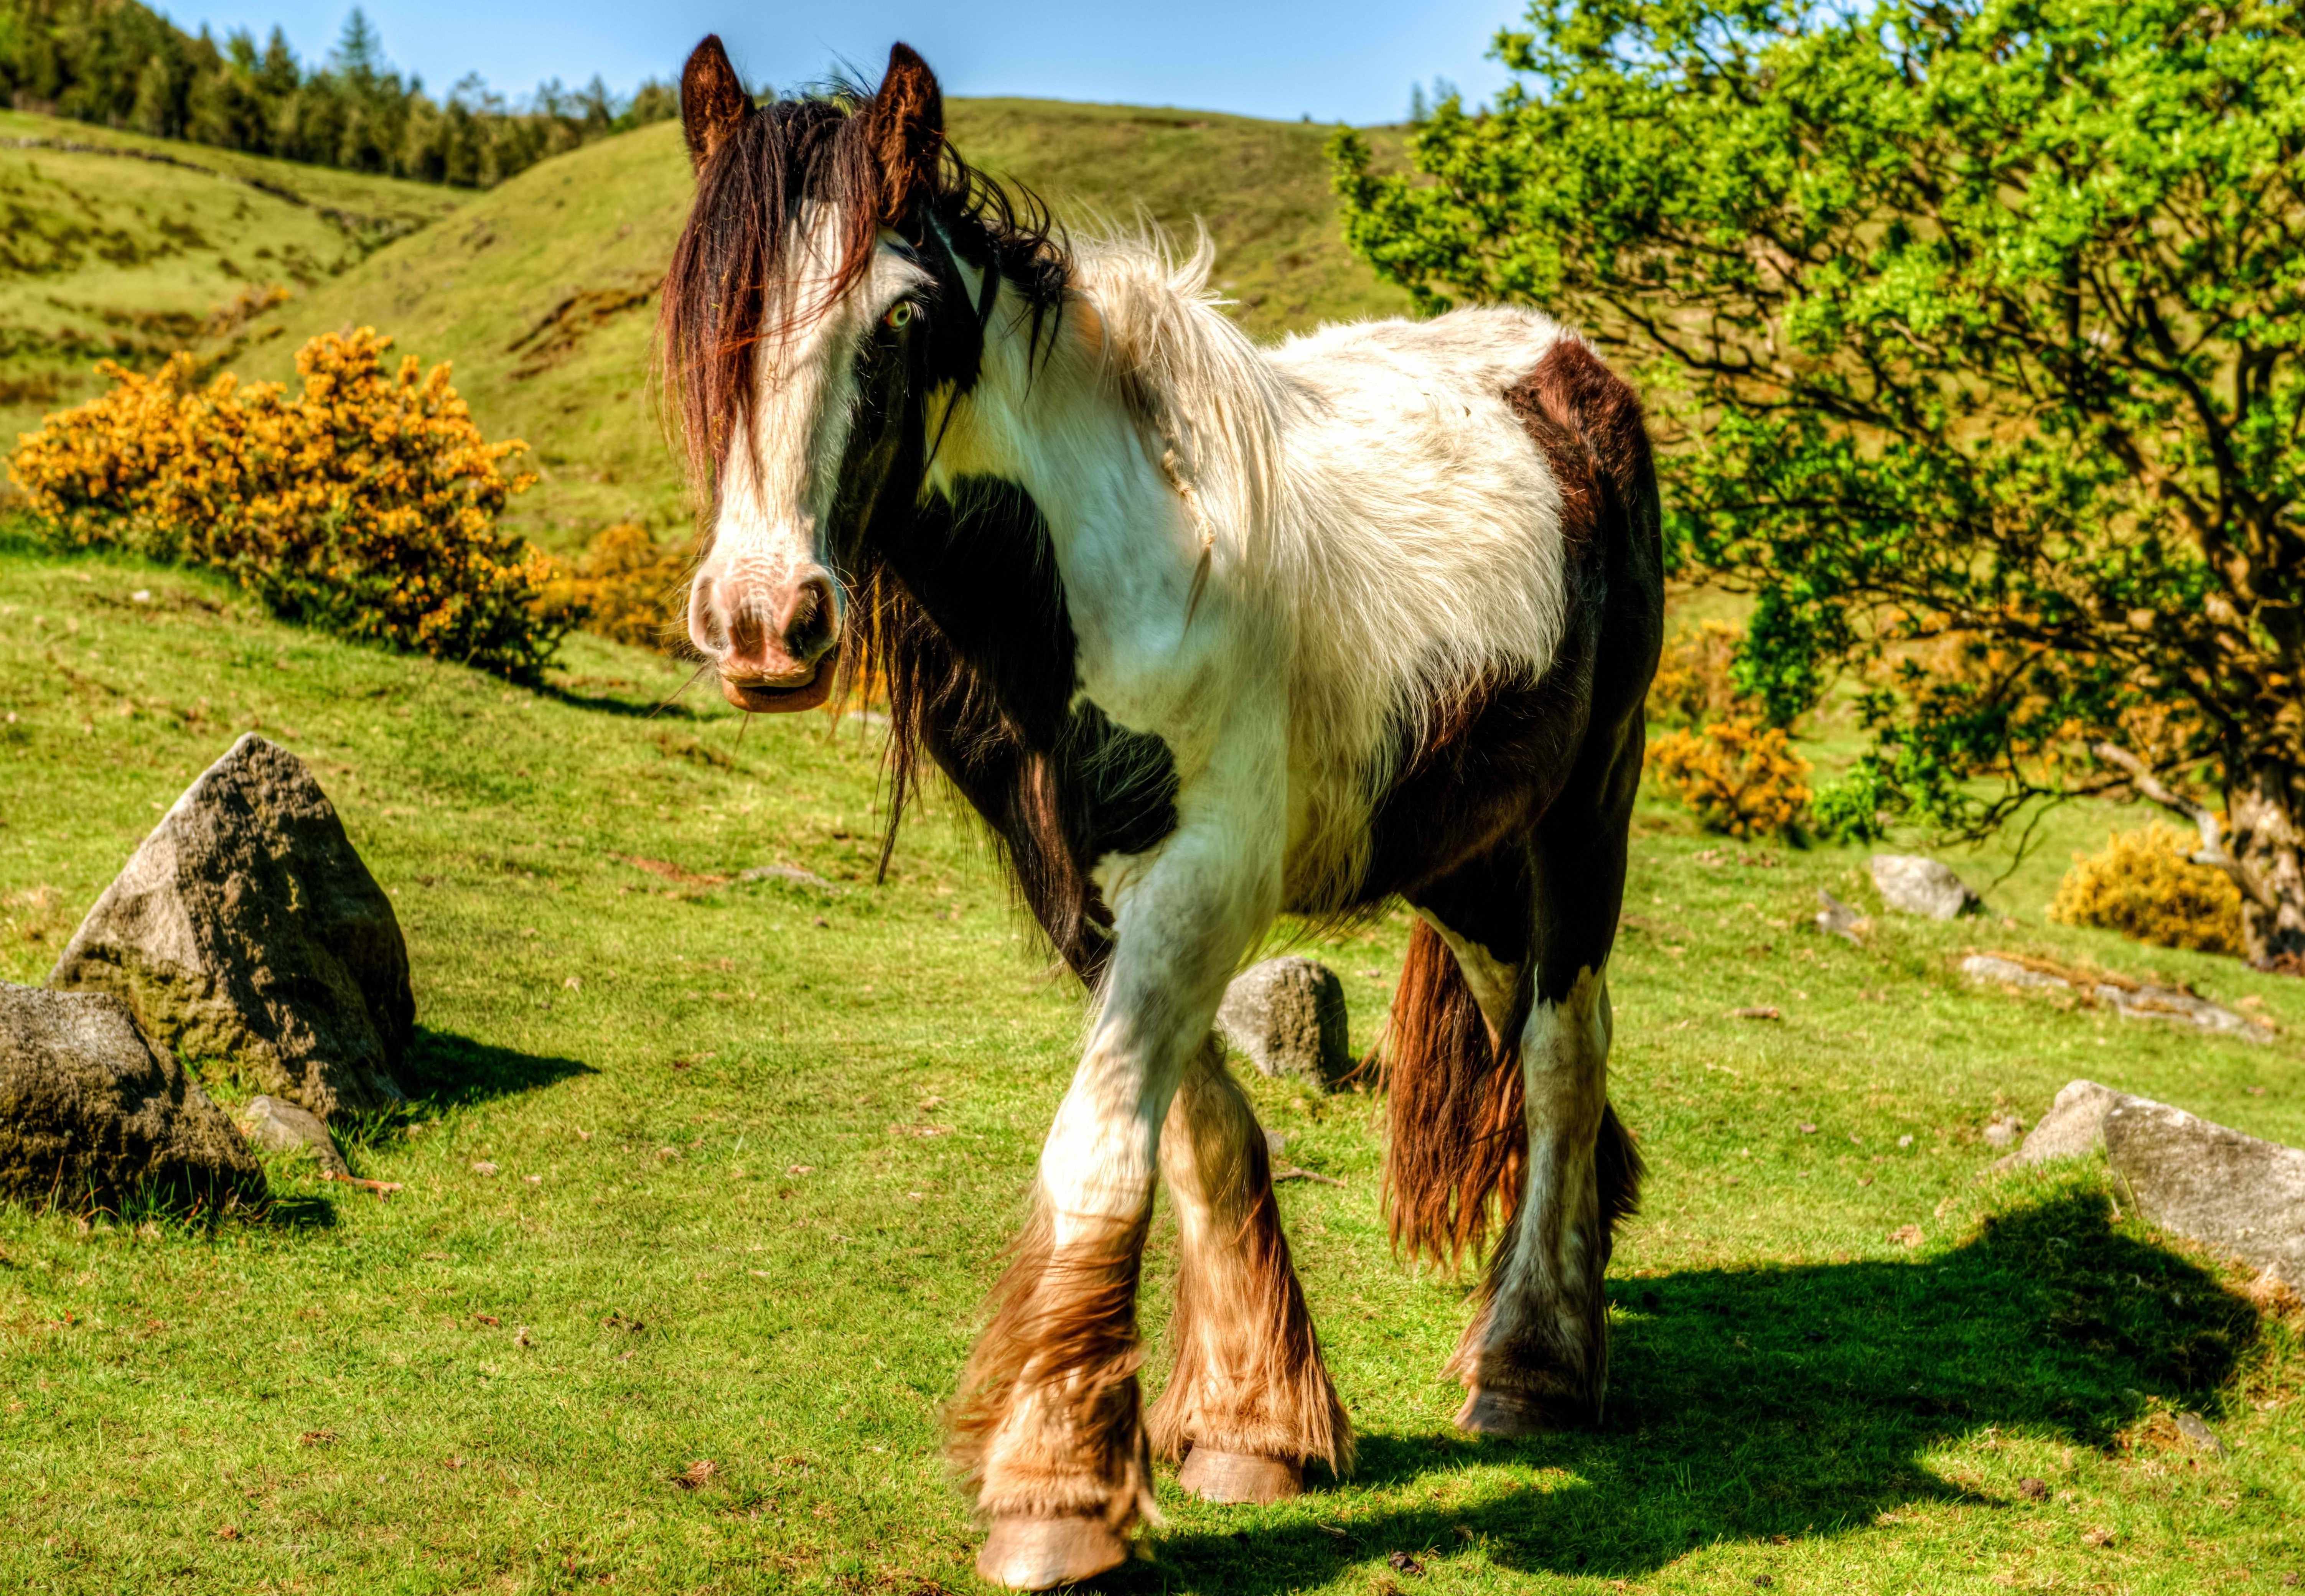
[
  {"x": 705, "y": 1168},
  {"x": 117, "y": 246},
  {"x": 542, "y": 291}
]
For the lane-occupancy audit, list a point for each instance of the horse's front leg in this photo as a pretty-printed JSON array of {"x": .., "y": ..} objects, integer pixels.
[
  {"x": 1050, "y": 1425},
  {"x": 1249, "y": 1394}
]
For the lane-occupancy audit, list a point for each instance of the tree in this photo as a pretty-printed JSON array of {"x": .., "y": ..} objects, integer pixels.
[{"x": 1974, "y": 329}]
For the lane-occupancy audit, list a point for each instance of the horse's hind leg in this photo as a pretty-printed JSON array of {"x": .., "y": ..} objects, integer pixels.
[
  {"x": 1250, "y": 1395},
  {"x": 1537, "y": 1352}
]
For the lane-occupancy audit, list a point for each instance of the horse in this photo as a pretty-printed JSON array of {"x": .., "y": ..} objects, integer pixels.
[{"x": 1205, "y": 633}]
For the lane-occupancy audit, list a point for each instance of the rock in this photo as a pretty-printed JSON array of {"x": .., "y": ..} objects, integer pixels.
[
  {"x": 246, "y": 930},
  {"x": 91, "y": 1112},
  {"x": 1837, "y": 919},
  {"x": 1912, "y": 885},
  {"x": 2032, "y": 1489},
  {"x": 2197, "y": 1431},
  {"x": 275, "y": 1124},
  {"x": 2075, "y": 1125},
  {"x": 2003, "y": 1129},
  {"x": 2131, "y": 1000},
  {"x": 791, "y": 873},
  {"x": 2210, "y": 1184},
  {"x": 1288, "y": 1015}
]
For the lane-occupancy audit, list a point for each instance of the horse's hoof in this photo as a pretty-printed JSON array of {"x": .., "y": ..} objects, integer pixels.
[
  {"x": 1240, "y": 1476},
  {"x": 1502, "y": 1413},
  {"x": 1040, "y": 1554}
]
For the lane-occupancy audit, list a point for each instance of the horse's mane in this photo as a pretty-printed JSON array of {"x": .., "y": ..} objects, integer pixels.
[
  {"x": 1212, "y": 403},
  {"x": 813, "y": 149}
]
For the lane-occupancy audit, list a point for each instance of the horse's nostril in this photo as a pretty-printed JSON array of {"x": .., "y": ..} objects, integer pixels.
[{"x": 808, "y": 632}]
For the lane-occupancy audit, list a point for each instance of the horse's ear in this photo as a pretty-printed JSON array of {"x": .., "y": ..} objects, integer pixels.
[
  {"x": 713, "y": 104},
  {"x": 907, "y": 128}
]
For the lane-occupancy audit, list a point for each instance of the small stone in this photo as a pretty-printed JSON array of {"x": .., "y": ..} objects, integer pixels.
[
  {"x": 1837, "y": 919},
  {"x": 278, "y": 1126},
  {"x": 1912, "y": 885},
  {"x": 91, "y": 1111},
  {"x": 790, "y": 873},
  {"x": 2194, "y": 1429},
  {"x": 2033, "y": 1491},
  {"x": 1805, "y": 1128},
  {"x": 2002, "y": 1130},
  {"x": 245, "y": 929},
  {"x": 1906, "y": 1140},
  {"x": 482, "y": 1167},
  {"x": 1288, "y": 1015}
]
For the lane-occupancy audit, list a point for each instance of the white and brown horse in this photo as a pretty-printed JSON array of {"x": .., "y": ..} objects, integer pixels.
[{"x": 1205, "y": 632}]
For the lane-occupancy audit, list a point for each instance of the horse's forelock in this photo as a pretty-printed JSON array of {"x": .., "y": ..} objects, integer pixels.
[{"x": 728, "y": 290}]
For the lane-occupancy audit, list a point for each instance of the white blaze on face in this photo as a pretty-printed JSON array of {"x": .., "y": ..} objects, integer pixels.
[{"x": 768, "y": 570}]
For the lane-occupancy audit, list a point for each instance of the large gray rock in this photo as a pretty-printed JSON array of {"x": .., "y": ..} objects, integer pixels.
[
  {"x": 2233, "y": 1193},
  {"x": 278, "y": 1126},
  {"x": 1912, "y": 885},
  {"x": 2205, "y": 1181},
  {"x": 1288, "y": 1015},
  {"x": 90, "y": 1111},
  {"x": 2075, "y": 1125},
  {"x": 245, "y": 930}
]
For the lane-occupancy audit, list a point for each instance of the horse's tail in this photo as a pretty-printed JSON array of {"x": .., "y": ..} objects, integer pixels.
[{"x": 1455, "y": 1162}]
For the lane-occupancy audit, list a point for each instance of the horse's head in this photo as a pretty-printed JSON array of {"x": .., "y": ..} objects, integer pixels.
[{"x": 815, "y": 305}]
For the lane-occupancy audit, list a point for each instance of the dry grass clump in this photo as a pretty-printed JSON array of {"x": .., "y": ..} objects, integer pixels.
[
  {"x": 2144, "y": 885},
  {"x": 1743, "y": 778},
  {"x": 366, "y": 505}
]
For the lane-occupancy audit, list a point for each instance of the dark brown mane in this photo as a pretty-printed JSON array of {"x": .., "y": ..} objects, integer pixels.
[{"x": 733, "y": 253}]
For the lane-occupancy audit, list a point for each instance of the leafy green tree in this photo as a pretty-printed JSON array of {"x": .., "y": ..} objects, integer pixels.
[{"x": 1974, "y": 329}]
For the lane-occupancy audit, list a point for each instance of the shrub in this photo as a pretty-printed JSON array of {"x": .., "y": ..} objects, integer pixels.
[
  {"x": 1740, "y": 777},
  {"x": 366, "y": 505},
  {"x": 627, "y": 586},
  {"x": 1695, "y": 681},
  {"x": 2144, "y": 886},
  {"x": 1848, "y": 809}
]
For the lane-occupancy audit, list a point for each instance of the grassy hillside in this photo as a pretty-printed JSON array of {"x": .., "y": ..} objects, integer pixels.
[
  {"x": 542, "y": 291},
  {"x": 757, "y": 1148},
  {"x": 122, "y": 247}
]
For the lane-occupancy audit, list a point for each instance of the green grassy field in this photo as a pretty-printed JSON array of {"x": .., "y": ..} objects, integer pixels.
[
  {"x": 126, "y": 248},
  {"x": 542, "y": 291},
  {"x": 759, "y": 1148}
]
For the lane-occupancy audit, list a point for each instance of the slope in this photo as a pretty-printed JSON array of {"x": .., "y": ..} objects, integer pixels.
[
  {"x": 543, "y": 291},
  {"x": 113, "y": 246},
  {"x": 708, "y": 1168}
]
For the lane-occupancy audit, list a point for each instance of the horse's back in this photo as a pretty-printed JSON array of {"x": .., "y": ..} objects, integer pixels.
[{"x": 1464, "y": 492}]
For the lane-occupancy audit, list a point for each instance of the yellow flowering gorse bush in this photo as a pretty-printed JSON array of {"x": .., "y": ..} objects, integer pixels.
[
  {"x": 2145, "y": 884},
  {"x": 1740, "y": 777},
  {"x": 366, "y": 504},
  {"x": 627, "y": 586}
]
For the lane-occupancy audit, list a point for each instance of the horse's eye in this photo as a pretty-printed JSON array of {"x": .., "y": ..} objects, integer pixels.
[{"x": 898, "y": 316}]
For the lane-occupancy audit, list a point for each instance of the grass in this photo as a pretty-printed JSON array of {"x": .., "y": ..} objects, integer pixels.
[
  {"x": 120, "y": 247},
  {"x": 759, "y": 1147},
  {"x": 542, "y": 291}
]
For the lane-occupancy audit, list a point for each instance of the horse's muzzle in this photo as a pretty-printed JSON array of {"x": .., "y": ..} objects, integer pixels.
[{"x": 773, "y": 642}]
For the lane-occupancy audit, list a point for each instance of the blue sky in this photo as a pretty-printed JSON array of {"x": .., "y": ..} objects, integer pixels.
[{"x": 1348, "y": 60}]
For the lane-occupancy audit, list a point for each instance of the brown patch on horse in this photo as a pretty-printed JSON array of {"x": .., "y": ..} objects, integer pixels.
[
  {"x": 713, "y": 104},
  {"x": 1587, "y": 422},
  {"x": 1457, "y": 1150},
  {"x": 1249, "y": 1378},
  {"x": 1049, "y": 1420}
]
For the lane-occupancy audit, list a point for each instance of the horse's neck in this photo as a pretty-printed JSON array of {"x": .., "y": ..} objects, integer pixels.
[{"x": 1051, "y": 422}]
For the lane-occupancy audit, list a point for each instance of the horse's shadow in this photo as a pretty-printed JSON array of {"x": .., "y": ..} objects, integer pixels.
[{"x": 1746, "y": 1405}]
